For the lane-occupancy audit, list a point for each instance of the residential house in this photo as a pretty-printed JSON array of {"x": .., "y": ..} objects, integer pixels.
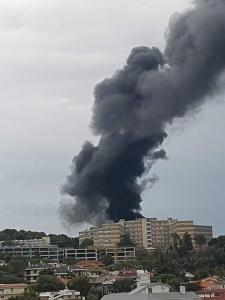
[
  {"x": 12, "y": 290},
  {"x": 147, "y": 294},
  {"x": 214, "y": 294},
  {"x": 32, "y": 272},
  {"x": 151, "y": 288},
  {"x": 65, "y": 272},
  {"x": 61, "y": 295}
]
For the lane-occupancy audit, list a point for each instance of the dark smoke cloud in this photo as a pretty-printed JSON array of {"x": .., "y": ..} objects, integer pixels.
[{"x": 134, "y": 106}]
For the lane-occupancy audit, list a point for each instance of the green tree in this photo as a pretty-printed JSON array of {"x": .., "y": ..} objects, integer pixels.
[
  {"x": 80, "y": 284},
  {"x": 63, "y": 241},
  {"x": 86, "y": 243},
  {"x": 94, "y": 294},
  {"x": 6, "y": 277},
  {"x": 13, "y": 234},
  {"x": 176, "y": 242},
  {"x": 141, "y": 253},
  {"x": 200, "y": 240},
  {"x": 218, "y": 242},
  {"x": 187, "y": 242},
  {"x": 69, "y": 261},
  {"x": 48, "y": 283},
  {"x": 170, "y": 279},
  {"x": 124, "y": 285},
  {"x": 17, "y": 265},
  {"x": 107, "y": 259}
]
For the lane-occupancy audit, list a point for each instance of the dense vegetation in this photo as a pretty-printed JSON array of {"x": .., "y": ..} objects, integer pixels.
[
  {"x": 13, "y": 271},
  {"x": 48, "y": 283},
  {"x": 170, "y": 266},
  {"x": 167, "y": 266},
  {"x": 13, "y": 234}
]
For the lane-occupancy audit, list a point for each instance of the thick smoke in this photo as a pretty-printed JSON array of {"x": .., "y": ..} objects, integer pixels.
[{"x": 134, "y": 106}]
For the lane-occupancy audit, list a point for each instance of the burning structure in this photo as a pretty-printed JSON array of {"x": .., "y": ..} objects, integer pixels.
[{"x": 132, "y": 109}]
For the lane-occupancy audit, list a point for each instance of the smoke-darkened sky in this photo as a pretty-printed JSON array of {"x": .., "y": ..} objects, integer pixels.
[{"x": 52, "y": 55}]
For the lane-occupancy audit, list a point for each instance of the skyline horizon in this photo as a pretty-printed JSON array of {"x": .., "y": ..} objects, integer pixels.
[{"x": 87, "y": 227}]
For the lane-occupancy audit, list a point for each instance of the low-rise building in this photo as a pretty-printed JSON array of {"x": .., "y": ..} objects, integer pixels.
[
  {"x": 151, "y": 288},
  {"x": 82, "y": 254},
  {"x": 214, "y": 294},
  {"x": 50, "y": 251},
  {"x": 12, "y": 290},
  {"x": 61, "y": 295},
  {"x": 147, "y": 294},
  {"x": 33, "y": 272},
  {"x": 44, "y": 241},
  {"x": 65, "y": 272},
  {"x": 121, "y": 254}
]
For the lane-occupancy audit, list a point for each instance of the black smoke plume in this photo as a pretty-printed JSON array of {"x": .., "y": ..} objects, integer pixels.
[{"x": 133, "y": 107}]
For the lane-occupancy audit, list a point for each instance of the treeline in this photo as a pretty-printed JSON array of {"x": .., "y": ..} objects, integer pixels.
[
  {"x": 170, "y": 266},
  {"x": 13, "y": 234},
  {"x": 61, "y": 240}
]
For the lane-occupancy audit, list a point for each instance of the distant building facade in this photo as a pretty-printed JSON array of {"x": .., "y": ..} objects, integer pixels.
[
  {"x": 181, "y": 227},
  {"x": 144, "y": 232},
  {"x": 44, "y": 241},
  {"x": 119, "y": 254},
  {"x": 12, "y": 290},
  {"x": 50, "y": 251}
]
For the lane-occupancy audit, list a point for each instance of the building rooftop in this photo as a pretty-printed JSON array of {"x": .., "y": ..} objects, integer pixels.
[
  {"x": 13, "y": 285},
  {"x": 37, "y": 267},
  {"x": 144, "y": 288},
  {"x": 156, "y": 296}
]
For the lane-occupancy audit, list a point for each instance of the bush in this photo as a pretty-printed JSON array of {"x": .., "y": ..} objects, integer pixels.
[
  {"x": 48, "y": 283},
  {"x": 80, "y": 284}
]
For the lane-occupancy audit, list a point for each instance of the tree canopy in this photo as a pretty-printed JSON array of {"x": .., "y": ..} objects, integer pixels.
[
  {"x": 200, "y": 240},
  {"x": 86, "y": 243},
  {"x": 124, "y": 285},
  {"x": 48, "y": 283},
  {"x": 80, "y": 284},
  {"x": 61, "y": 240}
]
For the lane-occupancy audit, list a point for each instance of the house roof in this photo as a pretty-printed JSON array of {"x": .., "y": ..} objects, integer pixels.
[
  {"x": 62, "y": 270},
  {"x": 127, "y": 273},
  {"x": 153, "y": 296},
  {"x": 152, "y": 284},
  {"x": 89, "y": 264},
  {"x": 37, "y": 267},
  {"x": 101, "y": 280},
  {"x": 13, "y": 285},
  {"x": 206, "y": 282},
  {"x": 141, "y": 288}
]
